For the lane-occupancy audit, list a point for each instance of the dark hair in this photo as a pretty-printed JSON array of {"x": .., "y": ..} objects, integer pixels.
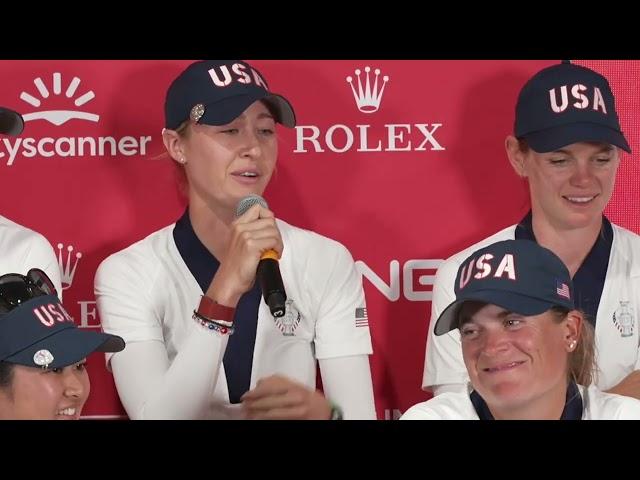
[
  {"x": 523, "y": 145},
  {"x": 6, "y": 374}
]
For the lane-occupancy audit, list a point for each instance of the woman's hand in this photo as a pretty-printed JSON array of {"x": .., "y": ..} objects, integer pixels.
[
  {"x": 279, "y": 398},
  {"x": 252, "y": 234}
]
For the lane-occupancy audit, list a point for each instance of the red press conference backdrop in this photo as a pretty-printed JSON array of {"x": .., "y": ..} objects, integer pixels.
[{"x": 404, "y": 174}]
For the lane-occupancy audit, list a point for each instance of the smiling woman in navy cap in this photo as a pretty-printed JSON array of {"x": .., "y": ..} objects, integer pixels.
[
  {"x": 201, "y": 341},
  {"x": 567, "y": 144},
  {"x": 21, "y": 247},
  {"x": 528, "y": 352},
  {"x": 42, "y": 352}
]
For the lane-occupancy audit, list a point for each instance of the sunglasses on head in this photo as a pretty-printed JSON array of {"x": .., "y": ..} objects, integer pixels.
[{"x": 16, "y": 289}]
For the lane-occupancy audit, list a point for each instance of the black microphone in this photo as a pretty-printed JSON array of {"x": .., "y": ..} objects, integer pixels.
[{"x": 268, "y": 272}]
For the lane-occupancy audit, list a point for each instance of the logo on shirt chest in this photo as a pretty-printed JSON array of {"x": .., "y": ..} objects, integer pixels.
[
  {"x": 288, "y": 323},
  {"x": 623, "y": 319}
]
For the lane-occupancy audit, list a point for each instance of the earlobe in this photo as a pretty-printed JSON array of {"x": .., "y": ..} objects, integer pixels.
[
  {"x": 573, "y": 324},
  {"x": 173, "y": 145},
  {"x": 516, "y": 156}
]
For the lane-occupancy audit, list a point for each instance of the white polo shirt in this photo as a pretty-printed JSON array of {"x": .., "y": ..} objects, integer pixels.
[
  {"x": 597, "y": 405},
  {"x": 147, "y": 292},
  {"x": 23, "y": 249},
  {"x": 616, "y": 324}
]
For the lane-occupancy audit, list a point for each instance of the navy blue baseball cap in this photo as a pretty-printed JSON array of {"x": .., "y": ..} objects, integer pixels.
[
  {"x": 215, "y": 92},
  {"x": 11, "y": 123},
  {"x": 40, "y": 333},
  {"x": 565, "y": 104},
  {"x": 517, "y": 275}
]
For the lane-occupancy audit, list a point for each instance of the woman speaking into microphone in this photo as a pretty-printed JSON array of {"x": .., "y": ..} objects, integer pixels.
[{"x": 202, "y": 343}]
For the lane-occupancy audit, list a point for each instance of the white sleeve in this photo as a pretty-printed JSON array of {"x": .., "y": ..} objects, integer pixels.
[
  {"x": 629, "y": 409},
  {"x": 40, "y": 255},
  {"x": 337, "y": 333},
  {"x": 420, "y": 412},
  {"x": 151, "y": 388},
  {"x": 148, "y": 384},
  {"x": 449, "y": 388},
  {"x": 347, "y": 382},
  {"x": 443, "y": 358}
]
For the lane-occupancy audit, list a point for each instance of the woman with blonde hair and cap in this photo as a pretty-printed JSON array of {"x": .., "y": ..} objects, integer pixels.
[
  {"x": 528, "y": 352},
  {"x": 567, "y": 144},
  {"x": 42, "y": 352},
  {"x": 202, "y": 343}
]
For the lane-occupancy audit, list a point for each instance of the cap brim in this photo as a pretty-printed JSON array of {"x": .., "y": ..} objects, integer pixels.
[
  {"x": 11, "y": 123},
  {"x": 555, "y": 138},
  {"x": 227, "y": 110},
  {"x": 282, "y": 107},
  {"x": 69, "y": 346},
  {"x": 513, "y": 302}
]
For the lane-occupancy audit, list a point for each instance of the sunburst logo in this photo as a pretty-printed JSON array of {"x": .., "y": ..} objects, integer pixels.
[{"x": 71, "y": 91}]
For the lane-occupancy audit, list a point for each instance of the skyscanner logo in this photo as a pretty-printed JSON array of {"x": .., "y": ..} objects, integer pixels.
[{"x": 78, "y": 99}]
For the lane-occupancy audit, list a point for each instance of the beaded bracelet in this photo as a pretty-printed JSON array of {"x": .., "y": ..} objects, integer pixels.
[
  {"x": 214, "y": 320},
  {"x": 211, "y": 325}
]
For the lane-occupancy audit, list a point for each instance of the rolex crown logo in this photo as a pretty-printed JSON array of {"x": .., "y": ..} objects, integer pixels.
[
  {"x": 369, "y": 96},
  {"x": 67, "y": 271}
]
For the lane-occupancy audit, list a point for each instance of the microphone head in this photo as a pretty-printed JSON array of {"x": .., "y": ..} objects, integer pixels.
[{"x": 249, "y": 201}]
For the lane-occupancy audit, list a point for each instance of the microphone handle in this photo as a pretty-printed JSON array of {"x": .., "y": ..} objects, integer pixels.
[{"x": 268, "y": 274}]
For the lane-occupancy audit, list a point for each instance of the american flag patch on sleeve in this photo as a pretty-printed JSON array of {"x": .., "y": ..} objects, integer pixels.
[{"x": 362, "y": 320}]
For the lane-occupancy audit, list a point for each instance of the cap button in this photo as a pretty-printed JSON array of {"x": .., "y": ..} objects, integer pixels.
[{"x": 43, "y": 358}]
